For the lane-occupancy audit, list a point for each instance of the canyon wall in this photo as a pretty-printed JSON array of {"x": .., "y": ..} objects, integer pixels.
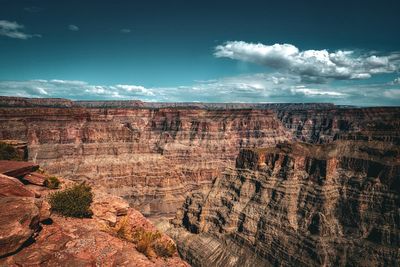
[
  {"x": 298, "y": 204},
  {"x": 151, "y": 157},
  {"x": 152, "y": 154}
]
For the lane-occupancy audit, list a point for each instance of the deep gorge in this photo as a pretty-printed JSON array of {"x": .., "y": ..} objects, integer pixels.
[{"x": 313, "y": 184}]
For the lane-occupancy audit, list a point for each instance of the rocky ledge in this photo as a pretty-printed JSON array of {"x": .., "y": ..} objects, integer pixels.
[
  {"x": 30, "y": 235},
  {"x": 298, "y": 204}
]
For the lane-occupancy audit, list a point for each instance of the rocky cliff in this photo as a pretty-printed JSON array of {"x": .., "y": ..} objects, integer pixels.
[
  {"x": 151, "y": 157},
  {"x": 152, "y": 154},
  {"x": 298, "y": 204}
]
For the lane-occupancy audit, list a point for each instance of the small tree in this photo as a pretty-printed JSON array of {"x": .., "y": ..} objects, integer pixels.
[{"x": 73, "y": 202}]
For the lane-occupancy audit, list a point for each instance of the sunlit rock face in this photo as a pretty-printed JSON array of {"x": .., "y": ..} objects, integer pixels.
[
  {"x": 152, "y": 154},
  {"x": 298, "y": 204},
  {"x": 151, "y": 157}
]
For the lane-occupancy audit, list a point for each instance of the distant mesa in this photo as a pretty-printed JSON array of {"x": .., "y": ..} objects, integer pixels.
[{"x": 10, "y": 101}]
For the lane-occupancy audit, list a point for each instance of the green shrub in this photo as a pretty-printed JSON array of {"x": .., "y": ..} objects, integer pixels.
[
  {"x": 8, "y": 152},
  {"x": 52, "y": 182},
  {"x": 73, "y": 202}
]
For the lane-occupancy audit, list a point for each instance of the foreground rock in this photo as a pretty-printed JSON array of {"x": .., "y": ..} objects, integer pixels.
[
  {"x": 17, "y": 168},
  {"x": 79, "y": 242},
  {"x": 31, "y": 236},
  {"x": 298, "y": 205},
  {"x": 19, "y": 220},
  {"x": 10, "y": 186},
  {"x": 21, "y": 214}
]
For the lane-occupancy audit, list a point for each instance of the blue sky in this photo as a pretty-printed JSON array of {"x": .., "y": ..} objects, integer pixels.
[{"x": 345, "y": 52}]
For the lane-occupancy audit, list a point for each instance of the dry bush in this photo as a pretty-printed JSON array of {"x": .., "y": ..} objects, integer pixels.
[
  {"x": 164, "y": 248},
  {"x": 121, "y": 230},
  {"x": 144, "y": 241},
  {"x": 150, "y": 243},
  {"x": 52, "y": 183}
]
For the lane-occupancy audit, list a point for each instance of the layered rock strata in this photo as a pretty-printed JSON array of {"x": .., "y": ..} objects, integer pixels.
[
  {"x": 152, "y": 154},
  {"x": 298, "y": 204},
  {"x": 151, "y": 157}
]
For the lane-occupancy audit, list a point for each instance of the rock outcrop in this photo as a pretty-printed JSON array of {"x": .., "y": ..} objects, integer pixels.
[
  {"x": 31, "y": 236},
  {"x": 21, "y": 211},
  {"x": 17, "y": 168},
  {"x": 298, "y": 204}
]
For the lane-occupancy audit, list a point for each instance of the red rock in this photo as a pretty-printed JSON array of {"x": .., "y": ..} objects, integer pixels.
[
  {"x": 17, "y": 168},
  {"x": 107, "y": 207},
  {"x": 10, "y": 186},
  {"x": 18, "y": 221},
  {"x": 35, "y": 178},
  {"x": 80, "y": 242}
]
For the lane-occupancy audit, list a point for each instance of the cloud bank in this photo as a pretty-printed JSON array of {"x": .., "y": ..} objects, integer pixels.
[
  {"x": 311, "y": 65},
  {"x": 14, "y": 30},
  {"x": 272, "y": 88}
]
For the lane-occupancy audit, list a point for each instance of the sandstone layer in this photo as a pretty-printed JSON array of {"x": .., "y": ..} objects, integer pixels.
[{"x": 298, "y": 204}]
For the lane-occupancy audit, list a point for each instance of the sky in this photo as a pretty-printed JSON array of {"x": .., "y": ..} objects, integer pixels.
[{"x": 342, "y": 52}]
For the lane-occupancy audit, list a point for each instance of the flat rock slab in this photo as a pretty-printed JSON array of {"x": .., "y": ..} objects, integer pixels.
[
  {"x": 10, "y": 186},
  {"x": 17, "y": 168},
  {"x": 35, "y": 178}
]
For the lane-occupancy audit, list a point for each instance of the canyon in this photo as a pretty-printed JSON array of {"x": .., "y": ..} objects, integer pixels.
[
  {"x": 245, "y": 184},
  {"x": 297, "y": 204}
]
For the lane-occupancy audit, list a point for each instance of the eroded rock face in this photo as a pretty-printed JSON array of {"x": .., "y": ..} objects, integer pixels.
[
  {"x": 298, "y": 205},
  {"x": 321, "y": 126},
  {"x": 151, "y": 157},
  {"x": 152, "y": 154}
]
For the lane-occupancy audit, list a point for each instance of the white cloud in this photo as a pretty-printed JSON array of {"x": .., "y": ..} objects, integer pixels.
[
  {"x": 14, "y": 30},
  {"x": 274, "y": 88},
  {"x": 135, "y": 89},
  {"x": 73, "y": 90},
  {"x": 316, "y": 92},
  {"x": 125, "y": 30},
  {"x": 395, "y": 81},
  {"x": 311, "y": 65},
  {"x": 73, "y": 28},
  {"x": 395, "y": 94}
]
